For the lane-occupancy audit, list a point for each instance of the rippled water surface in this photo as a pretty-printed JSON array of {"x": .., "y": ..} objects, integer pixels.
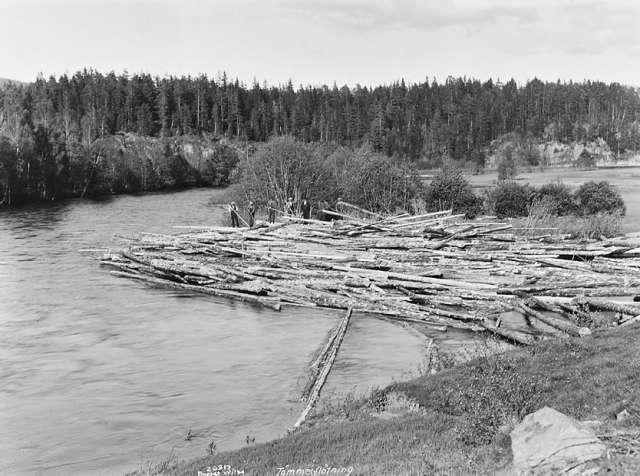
[{"x": 100, "y": 374}]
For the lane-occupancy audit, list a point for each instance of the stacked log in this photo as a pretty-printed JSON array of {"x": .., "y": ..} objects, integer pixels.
[{"x": 436, "y": 270}]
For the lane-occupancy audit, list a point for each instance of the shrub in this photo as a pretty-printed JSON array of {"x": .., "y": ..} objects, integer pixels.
[
  {"x": 592, "y": 198},
  {"x": 285, "y": 167},
  {"x": 530, "y": 154},
  {"x": 540, "y": 214},
  {"x": 585, "y": 160},
  {"x": 558, "y": 197},
  {"x": 507, "y": 168},
  {"x": 510, "y": 199},
  {"x": 377, "y": 182},
  {"x": 493, "y": 394},
  {"x": 606, "y": 225},
  {"x": 449, "y": 189},
  {"x": 478, "y": 160}
]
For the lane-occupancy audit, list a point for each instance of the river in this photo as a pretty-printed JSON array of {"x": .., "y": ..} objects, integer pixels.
[{"x": 101, "y": 374}]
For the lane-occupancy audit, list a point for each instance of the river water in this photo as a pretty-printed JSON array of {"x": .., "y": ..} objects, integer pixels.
[{"x": 101, "y": 374}]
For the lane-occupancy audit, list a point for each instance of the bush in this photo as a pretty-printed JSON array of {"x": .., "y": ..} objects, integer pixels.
[
  {"x": 509, "y": 199},
  {"x": 449, "y": 189},
  {"x": 530, "y": 154},
  {"x": 585, "y": 160},
  {"x": 540, "y": 213},
  {"x": 596, "y": 226},
  {"x": 285, "y": 167},
  {"x": 507, "y": 168},
  {"x": 558, "y": 197},
  {"x": 378, "y": 183},
  {"x": 493, "y": 393},
  {"x": 592, "y": 198}
]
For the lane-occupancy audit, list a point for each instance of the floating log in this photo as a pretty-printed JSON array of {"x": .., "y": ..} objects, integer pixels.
[
  {"x": 321, "y": 358},
  {"x": 271, "y": 303},
  {"x": 330, "y": 357}
]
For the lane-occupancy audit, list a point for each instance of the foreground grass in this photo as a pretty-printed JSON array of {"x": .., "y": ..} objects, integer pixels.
[{"x": 458, "y": 421}]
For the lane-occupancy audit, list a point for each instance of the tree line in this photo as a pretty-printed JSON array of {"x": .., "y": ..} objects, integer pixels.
[
  {"x": 55, "y": 133},
  {"x": 456, "y": 118},
  {"x": 43, "y": 165}
]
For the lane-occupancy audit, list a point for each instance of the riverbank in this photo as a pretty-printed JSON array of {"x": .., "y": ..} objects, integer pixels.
[
  {"x": 122, "y": 163},
  {"x": 458, "y": 421},
  {"x": 40, "y": 204}
]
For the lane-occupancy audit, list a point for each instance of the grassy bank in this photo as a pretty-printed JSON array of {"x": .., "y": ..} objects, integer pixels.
[{"x": 458, "y": 421}]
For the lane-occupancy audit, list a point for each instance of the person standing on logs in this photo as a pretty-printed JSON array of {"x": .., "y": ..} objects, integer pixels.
[
  {"x": 272, "y": 210},
  {"x": 288, "y": 207},
  {"x": 252, "y": 213},
  {"x": 233, "y": 210},
  {"x": 336, "y": 207},
  {"x": 322, "y": 206},
  {"x": 306, "y": 209}
]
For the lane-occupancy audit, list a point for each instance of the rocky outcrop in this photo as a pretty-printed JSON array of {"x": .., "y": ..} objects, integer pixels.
[
  {"x": 550, "y": 442},
  {"x": 596, "y": 153},
  {"x": 130, "y": 162}
]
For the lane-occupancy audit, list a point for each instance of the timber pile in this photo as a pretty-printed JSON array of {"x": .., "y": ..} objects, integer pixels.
[{"x": 435, "y": 270}]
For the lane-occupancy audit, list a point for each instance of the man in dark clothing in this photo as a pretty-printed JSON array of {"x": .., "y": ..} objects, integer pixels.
[
  {"x": 271, "y": 206},
  {"x": 322, "y": 206},
  {"x": 252, "y": 214},
  {"x": 233, "y": 210},
  {"x": 306, "y": 209}
]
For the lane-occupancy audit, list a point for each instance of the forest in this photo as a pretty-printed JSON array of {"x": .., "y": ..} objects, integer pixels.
[{"x": 51, "y": 122}]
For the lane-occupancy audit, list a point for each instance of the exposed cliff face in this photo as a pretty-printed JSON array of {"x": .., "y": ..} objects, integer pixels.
[
  {"x": 557, "y": 154},
  {"x": 196, "y": 151},
  {"x": 130, "y": 162}
]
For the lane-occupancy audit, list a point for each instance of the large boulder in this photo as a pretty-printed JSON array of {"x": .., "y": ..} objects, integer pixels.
[{"x": 550, "y": 442}]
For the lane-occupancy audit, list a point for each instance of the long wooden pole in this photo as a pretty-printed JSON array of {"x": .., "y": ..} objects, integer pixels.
[{"x": 335, "y": 347}]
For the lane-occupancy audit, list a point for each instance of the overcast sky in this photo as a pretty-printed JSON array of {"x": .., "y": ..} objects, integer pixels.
[{"x": 324, "y": 41}]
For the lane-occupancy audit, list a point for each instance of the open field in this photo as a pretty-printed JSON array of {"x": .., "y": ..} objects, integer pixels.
[
  {"x": 627, "y": 179},
  {"x": 444, "y": 431}
]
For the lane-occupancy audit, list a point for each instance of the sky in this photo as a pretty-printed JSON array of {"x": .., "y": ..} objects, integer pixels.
[{"x": 313, "y": 42}]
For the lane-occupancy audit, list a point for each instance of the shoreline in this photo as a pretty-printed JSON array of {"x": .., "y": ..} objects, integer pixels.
[
  {"x": 411, "y": 427},
  {"x": 43, "y": 204}
]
